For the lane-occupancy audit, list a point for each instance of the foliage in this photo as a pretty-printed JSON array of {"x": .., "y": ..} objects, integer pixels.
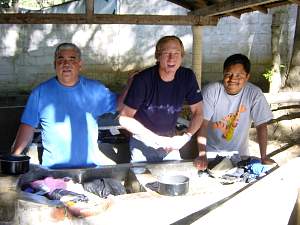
[
  {"x": 268, "y": 74},
  {"x": 31, "y": 4},
  {"x": 4, "y": 4}
]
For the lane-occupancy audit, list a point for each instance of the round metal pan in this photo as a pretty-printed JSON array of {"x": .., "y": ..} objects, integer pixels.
[
  {"x": 14, "y": 164},
  {"x": 173, "y": 185}
]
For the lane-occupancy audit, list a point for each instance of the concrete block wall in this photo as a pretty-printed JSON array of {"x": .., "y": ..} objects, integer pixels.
[{"x": 111, "y": 52}]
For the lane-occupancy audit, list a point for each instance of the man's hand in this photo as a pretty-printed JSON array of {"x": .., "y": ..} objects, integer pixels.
[
  {"x": 267, "y": 161},
  {"x": 201, "y": 162}
]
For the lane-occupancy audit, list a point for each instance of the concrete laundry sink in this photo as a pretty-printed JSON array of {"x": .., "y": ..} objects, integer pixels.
[{"x": 17, "y": 206}]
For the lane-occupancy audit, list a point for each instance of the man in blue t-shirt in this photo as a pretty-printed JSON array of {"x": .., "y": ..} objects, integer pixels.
[
  {"x": 154, "y": 101},
  {"x": 66, "y": 107}
]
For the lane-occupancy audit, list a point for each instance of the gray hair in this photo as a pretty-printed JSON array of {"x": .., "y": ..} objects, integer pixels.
[{"x": 67, "y": 46}]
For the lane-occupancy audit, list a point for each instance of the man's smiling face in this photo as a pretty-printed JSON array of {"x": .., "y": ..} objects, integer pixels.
[
  {"x": 235, "y": 78},
  {"x": 170, "y": 57},
  {"x": 67, "y": 65}
]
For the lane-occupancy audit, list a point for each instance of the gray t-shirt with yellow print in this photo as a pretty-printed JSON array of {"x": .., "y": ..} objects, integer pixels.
[{"x": 230, "y": 116}]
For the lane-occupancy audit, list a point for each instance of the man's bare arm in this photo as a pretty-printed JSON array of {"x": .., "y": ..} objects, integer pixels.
[{"x": 24, "y": 135}]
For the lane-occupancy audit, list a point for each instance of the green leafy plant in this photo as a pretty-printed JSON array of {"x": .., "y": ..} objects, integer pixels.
[{"x": 269, "y": 72}]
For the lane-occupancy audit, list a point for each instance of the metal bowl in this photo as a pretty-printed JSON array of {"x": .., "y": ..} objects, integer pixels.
[
  {"x": 173, "y": 185},
  {"x": 14, "y": 164}
]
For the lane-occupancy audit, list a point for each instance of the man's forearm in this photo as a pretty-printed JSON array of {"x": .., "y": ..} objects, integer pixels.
[
  {"x": 24, "y": 135},
  {"x": 195, "y": 124},
  {"x": 134, "y": 126},
  {"x": 145, "y": 135},
  {"x": 202, "y": 138},
  {"x": 201, "y": 161},
  {"x": 197, "y": 118},
  {"x": 262, "y": 139}
]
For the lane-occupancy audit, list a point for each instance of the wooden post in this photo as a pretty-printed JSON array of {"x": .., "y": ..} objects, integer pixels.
[
  {"x": 197, "y": 52},
  {"x": 89, "y": 4}
]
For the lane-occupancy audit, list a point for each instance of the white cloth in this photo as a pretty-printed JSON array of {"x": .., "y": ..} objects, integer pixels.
[
  {"x": 178, "y": 141},
  {"x": 230, "y": 116},
  {"x": 154, "y": 141}
]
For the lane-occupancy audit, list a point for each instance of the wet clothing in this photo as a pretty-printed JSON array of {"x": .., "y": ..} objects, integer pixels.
[
  {"x": 230, "y": 116},
  {"x": 68, "y": 120}
]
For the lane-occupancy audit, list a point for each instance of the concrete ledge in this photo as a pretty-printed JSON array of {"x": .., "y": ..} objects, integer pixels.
[{"x": 269, "y": 201}]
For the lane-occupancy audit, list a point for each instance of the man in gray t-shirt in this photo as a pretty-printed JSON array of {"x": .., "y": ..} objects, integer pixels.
[{"x": 229, "y": 109}]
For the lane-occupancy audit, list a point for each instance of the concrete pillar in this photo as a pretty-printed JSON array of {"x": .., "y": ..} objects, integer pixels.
[{"x": 197, "y": 52}]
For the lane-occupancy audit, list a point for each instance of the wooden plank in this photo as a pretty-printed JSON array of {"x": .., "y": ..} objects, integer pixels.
[
  {"x": 35, "y": 18},
  {"x": 89, "y": 9},
  {"x": 182, "y": 4},
  {"x": 201, "y": 2},
  {"x": 231, "y": 6},
  {"x": 192, "y": 5},
  {"x": 234, "y": 14},
  {"x": 260, "y": 9},
  {"x": 295, "y": 1}
]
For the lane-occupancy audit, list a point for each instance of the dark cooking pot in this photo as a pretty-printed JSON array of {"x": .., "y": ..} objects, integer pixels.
[
  {"x": 173, "y": 185},
  {"x": 14, "y": 164}
]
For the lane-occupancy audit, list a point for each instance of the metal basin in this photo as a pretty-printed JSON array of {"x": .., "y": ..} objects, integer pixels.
[
  {"x": 173, "y": 185},
  {"x": 14, "y": 164}
]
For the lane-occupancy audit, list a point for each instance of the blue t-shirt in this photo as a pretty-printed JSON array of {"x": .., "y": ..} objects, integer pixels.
[
  {"x": 68, "y": 118},
  {"x": 158, "y": 103}
]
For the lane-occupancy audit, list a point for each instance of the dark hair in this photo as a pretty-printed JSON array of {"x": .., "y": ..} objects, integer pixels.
[
  {"x": 66, "y": 46},
  {"x": 165, "y": 39},
  {"x": 237, "y": 59}
]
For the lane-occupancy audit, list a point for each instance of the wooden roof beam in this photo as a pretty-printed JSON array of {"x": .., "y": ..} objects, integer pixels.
[
  {"x": 260, "y": 9},
  {"x": 190, "y": 6},
  {"x": 182, "y": 4},
  {"x": 234, "y": 14},
  {"x": 295, "y": 1},
  {"x": 51, "y": 18},
  {"x": 200, "y": 3},
  {"x": 230, "y": 6}
]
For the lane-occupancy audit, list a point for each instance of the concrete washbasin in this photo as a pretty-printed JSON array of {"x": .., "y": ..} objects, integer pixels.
[
  {"x": 273, "y": 199},
  {"x": 19, "y": 207}
]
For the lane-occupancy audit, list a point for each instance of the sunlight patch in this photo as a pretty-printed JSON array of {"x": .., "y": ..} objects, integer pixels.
[
  {"x": 35, "y": 39},
  {"x": 82, "y": 36},
  {"x": 10, "y": 41}
]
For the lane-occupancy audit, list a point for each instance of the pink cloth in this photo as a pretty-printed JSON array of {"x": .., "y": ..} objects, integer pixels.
[{"x": 49, "y": 184}]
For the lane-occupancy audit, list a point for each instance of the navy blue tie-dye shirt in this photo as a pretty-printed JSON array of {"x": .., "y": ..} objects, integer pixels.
[{"x": 158, "y": 103}]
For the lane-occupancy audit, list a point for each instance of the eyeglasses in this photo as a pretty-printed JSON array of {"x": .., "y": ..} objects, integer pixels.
[{"x": 237, "y": 76}]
